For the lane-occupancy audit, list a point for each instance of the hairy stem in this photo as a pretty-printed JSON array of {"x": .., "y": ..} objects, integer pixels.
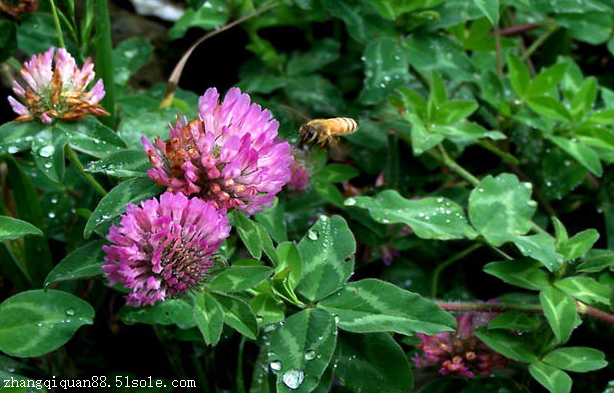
[{"x": 72, "y": 156}]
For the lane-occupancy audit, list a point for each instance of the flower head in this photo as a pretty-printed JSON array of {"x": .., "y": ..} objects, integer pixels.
[
  {"x": 299, "y": 179},
  {"x": 230, "y": 155},
  {"x": 57, "y": 91},
  {"x": 163, "y": 248},
  {"x": 460, "y": 352}
]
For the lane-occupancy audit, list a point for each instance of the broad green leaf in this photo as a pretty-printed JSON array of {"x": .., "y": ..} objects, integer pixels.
[
  {"x": 490, "y": 9},
  {"x": 327, "y": 250},
  {"x": 169, "y": 312},
  {"x": 501, "y": 207},
  {"x": 560, "y": 232},
  {"x": 36, "y": 33},
  {"x": 586, "y": 156},
  {"x": 430, "y": 218},
  {"x": 602, "y": 117},
  {"x": 579, "y": 244},
  {"x": 324, "y": 51},
  {"x": 386, "y": 68},
  {"x": 553, "y": 379},
  {"x": 48, "y": 152},
  {"x": 520, "y": 77},
  {"x": 8, "y": 39},
  {"x": 507, "y": 344},
  {"x": 124, "y": 163},
  {"x": 372, "y": 363},
  {"x": 268, "y": 309},
  {"x": 547, "y": 80},
  {"x": 239, "y": 278},
  {"x": 438, "y": 90},
  {"x": 33, "y": 323},
  {"x": 452, "y": 112},
  {"x": 12, "y": 228},
  {"x": 337, "y": 173},
  {"x": 85, "y": 261},
  {"x": 422, "y": 139},
  {"x": 209, "y": 317},
  {"x": 372, "y": 305},
  {"x": 91, "y": 137},
  {"x": 550, "y": 108},
  {"x": 577, "y": 359},
  {"x": 129, "y": 56},
  {"x": 592, "y": 27},
  {"x": 541, "y": 247},
  {"x": 524, "y": 273},
  {"x": 583, "y": 99},
  {"x": 290, "y": 261},
  {"x": 585, "y": 289},
  {"x": 273, "y": 221},
  {"x": 238, "y": 315},
  {"x": 301, "y": 349},
  {"x": 212, "y": 14},
  {"x": 129, "y": 191},
  {"x": 560, "y": 311},
  {"x": 514, "y": 320},
  {"x": 248, "y": 232},
  {"x": 597, "y": 263},
  {"x": 362, "y": 28},
  {"x": 16, "y": 136}
]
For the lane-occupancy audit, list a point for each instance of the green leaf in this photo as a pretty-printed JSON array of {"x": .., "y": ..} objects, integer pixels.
[
  {"x": 602, "y": 117},
  {"x": 430, "y": 218},
  {"x": 130, "y": 191},
  {"x": 560, "y": 232},
  {"x": 301, "y": 349},
  {"x": 8, "y": 39},
  {"x": 85, "y": 261},
  {"x": 273, "y": 221},
  {"x": 329, "y": 192},
  {"x": 579, "y": 245},
  {"x": 169, "y": 312},
  {"x": 550, "y": 108},
  {"x": 541, "y": 247},
  {"x": 514, "y": 320},
  {"x": 16, "y": 136},
  {"x": 209, "y": 317},
  {"x": 507, "y": 344},
  {"x": 361, "y": 27},
  {"x": 129, "y": 56},
  {"x": 337, "y": 173},
  {"x": 597, "y": 263},
  {"x": 12, "y": 228},
  {"x": 372, "y": 363},
  {"x": 452, "y": 112},
  {"x": 547, "y": 80},
  {"x": 33, "y": 323},
  {"x": 524, "y": 273},
  {"x": 267, "y": 307},
  {"x": 560, "y": 311},
  {"x": 490, "y": 9},
  {"x": 584, "y": 98},
  {"x": 501, "y": 207},
  {"x": 323, "y": 52},
  {"x": 124, "y": 163},
  {"x": 48, "y": 152},
  {"x": 372, "y": 305},
  {"x": 291, "y": 262},
  {"x": 585, "y": 289},
  {"x": 212, "y": 14},
  {"x": 520, "y": 77},
  {"x": 553, "y": 379},
  {"x": 238, "y": 315},
  {"x": 249, "y": 234},
  {"x": 239, "y": 278},
  {"x": 438, "y": 90},
  {"x": 36, "y": 32},
  {"x": 386, "y": 68},
  {"x": 91, "y": 137},
  {"x": 586, "y": 156},
  {"x": 327, "y": 250},
  {"x": 577, "y": 359}
]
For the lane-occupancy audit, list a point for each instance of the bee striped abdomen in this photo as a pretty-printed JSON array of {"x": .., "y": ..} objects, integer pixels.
[{"x": 323, "y": 132}]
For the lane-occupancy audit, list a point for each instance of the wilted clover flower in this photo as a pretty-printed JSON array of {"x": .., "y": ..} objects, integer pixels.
[
  {"x": 230, "y": 156},
  {"x": 15, "y": 8},
  {"x": 57, "y": 91},
  {"x": 162, "y": 249},
  {"x": 460, "y": 352}
]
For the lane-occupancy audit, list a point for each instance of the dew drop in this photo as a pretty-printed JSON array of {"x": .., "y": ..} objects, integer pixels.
[
  {"x": 313, "y": 234},
  {"x": 51, "y": 215},
  {"x": 275, "y": 366},
  {"x": 13, "y": 149},
  {"x": 337, "y": 319},
  {"x": 350, "y": 202},
  {"x": 70, "y": 312},
  {"x": 46, "y": 151},
  {"x": 310, "y": 355},
  {"x": 293, "y": 378}
]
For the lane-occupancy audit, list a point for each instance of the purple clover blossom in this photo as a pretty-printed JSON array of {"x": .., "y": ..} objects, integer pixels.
[
  {"x": 163, "y": 248},
  {"x": 299, "y": 180},
  {"x": 57, "y": 92},
  {"x": 460, "y": 352},
  {"x": 229, "y": 156}
]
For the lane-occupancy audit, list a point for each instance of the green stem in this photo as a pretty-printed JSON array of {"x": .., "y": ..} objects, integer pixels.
[
  {"x": 392, "y": 166},
  {"x": 72, "y": 156},
  {"x": 538, "y": 42},
  {"x": 240, "y": 378},
  {"x": 498, "y": 53},
  {"x": 201, "y": 375},
  {"x": 104, "y": 58},
  {"x": 441, "y": 267},
  {"x": 56, "y": 22}
]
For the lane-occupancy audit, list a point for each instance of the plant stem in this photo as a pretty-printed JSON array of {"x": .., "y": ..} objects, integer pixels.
[
  {"x": 104, "y": 58},
  {"x": 56, "y": 22},
  {"x": 498, "y": 53},
  {"x": 538, "y": 42},
  {"x": 441, "y": 267},
  {"x": 240, "y": 379},
  {"x": 72, "y": 156},
  {"x": 582, "y": 309}
]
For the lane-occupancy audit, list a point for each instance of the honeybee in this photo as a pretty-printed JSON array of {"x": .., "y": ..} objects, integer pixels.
[{"x": 324, "y": 132}]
